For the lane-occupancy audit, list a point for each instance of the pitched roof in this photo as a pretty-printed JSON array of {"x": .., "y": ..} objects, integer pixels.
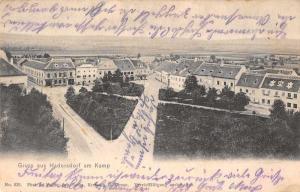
[
  {"x": 60, "y": 63},
  {"x": 187, "y": 68},
  {"x": 106, "y": 63},
  {"x": 35, "y": 64},
  {"x": 250, "y": 80},
  {"x": 217, "y": 70},
  {"x": 282, "y": 82},
  {"x": 6, "y": 69},
  {"x": 138, "y": 63},
  {"x": 167, "y": 66},
  {"x": 124, "y": 64}
]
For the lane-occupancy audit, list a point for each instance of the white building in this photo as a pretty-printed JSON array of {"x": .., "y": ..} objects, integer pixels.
[
  {"x": 86, "y": 74},
  {"x": 10, "y": 75},
  {"x": 219, "y": 75},
  {"x": 250, "y": 84},
  {"x": 283, "y": 87},
  {"x": 54, "y": 72},
  {"x": 105, "y": 66}
]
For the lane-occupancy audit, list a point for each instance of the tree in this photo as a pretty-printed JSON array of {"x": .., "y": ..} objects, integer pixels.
[
  {"x": 46, "y": 55},
  {"x": 295, "y": 123},
  {"x": 190, "y": 84},
  {"x": 83, "y": 90},
  {"x": 98, "y": 86},
  {"x": 211, "y": 96},
  {"x": 118, "y": 76},
  {"x": 240, "y": 101},
  {"x": 213, "y": 58},
  {"x": 226, "y": 91},
  {"x": 70, "y": 93},
  {"x": 138, "y": 55},
  {"x": 278, "y": 110},
  {"x": 109, "y": 76},
  {"x": 105, "y": 78},
  {"x": 198, "y": 93}
]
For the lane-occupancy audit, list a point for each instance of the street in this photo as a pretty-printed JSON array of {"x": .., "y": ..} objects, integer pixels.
[{"x": 83, "y": 139}]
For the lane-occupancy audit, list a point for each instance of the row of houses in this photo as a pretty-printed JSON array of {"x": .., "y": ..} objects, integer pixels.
[
  {"x": 262, "y": 87},
  {"x": 63, "y": 71}
]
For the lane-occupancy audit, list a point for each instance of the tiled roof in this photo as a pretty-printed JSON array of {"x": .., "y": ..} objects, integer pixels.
[
  {"x": 250, "y": 80},
  {"x": 167, "y": 66},
  {"x": 35, "y": 64},
  {"x": 63, "y": 63},
  {"x": 282, "y": 82},
  {"x": 106, "y": 64},
  {"x": 187, "y": 67},
  {"x": 6, "y": 69},
  {"x": 138, "y": 63},
  {"x": 216, "y": 70},
  {"x": 124, "y": 64}
]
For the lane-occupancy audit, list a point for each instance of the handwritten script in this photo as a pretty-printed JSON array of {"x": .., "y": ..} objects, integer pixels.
[
  {"x": 139, "y": 140},
  {"x": 189, "y": 179},
  {"x": 162, "y": 21}
]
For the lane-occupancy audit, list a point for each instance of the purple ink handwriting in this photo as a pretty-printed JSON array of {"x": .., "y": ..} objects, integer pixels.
[
  {"x": 189, "y": 179},
  {"x": 109, "y": 18},
  {"x": 140, "y": 139}
]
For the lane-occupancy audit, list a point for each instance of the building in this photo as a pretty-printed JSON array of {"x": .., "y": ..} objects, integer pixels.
[
  {"x": 283, "y": 87},
  {"x": 126, "y": 67},
  {"x": 10, "y": 75},
  {"x": 184, "y": 69},
  {"x": 141, "y": 69},
  {"x": 106, "y": 66},
  {"x": 86, "y": 74},
  {"x": 250, "y": 84},
  {"x": 219, "y": 75},
  {"x": 52, "y": 73}
]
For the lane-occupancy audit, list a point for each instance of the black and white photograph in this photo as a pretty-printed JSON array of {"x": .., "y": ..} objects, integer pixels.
[{"x": 145, "y": 88}]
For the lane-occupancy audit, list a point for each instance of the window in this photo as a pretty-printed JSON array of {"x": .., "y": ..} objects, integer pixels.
[
  {"x": 94, "y": 75},
  {"x": 295, "y": 106},
  {"x": 218, "y": 82},
  {"x": 295, "y": 95},
  {"x": 231, "y": 84},
  {"x": 55, "y": 74},
  {"x": 59, "y": 74},
  {"x": 247, "y": 90},
  {"x": 131, "y": 72},
  {"x": 71, "y": 74},
  {"x": 78, "y": 76},
  {"x": 241, "y": 90},
  {"x": 224, "y": 83},
  {"x": 55, "y": 81},
  {"x": 59, "y": 81},
  {"x": 64, "y": 81},
  {"x": 289, "y": 104},
  {"x": 48, "y": 75},
  {"x": 89, "y": 75},
  {"x": 289, "y": 95},
  {"x": 263, "y": 101},
  {"x": 268, "y": 101},
  {"x": 276, "y": 93},
  {"x": 283, "y": 94}
]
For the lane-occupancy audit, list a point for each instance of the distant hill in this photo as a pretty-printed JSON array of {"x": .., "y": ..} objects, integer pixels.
[{"x": 73, "y": 45}]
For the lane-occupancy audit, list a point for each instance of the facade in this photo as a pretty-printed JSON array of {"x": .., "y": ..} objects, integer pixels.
[
  {"x": 126, "y": 67},
  {"x": 141, "y": 69},
  {"x": 250, "y": 84},
  {"x": 52, "y": 73},
  {"x": 86, "y": 74},
  {"x": 105, "y": 66},
  {"x": 219, "y": 75},
  {"x": 10, "y": 75},
  {"x": 283, "y": 87}
]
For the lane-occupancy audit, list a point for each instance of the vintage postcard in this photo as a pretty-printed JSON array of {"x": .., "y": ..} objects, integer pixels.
[{"x": 150, "y": 96}]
